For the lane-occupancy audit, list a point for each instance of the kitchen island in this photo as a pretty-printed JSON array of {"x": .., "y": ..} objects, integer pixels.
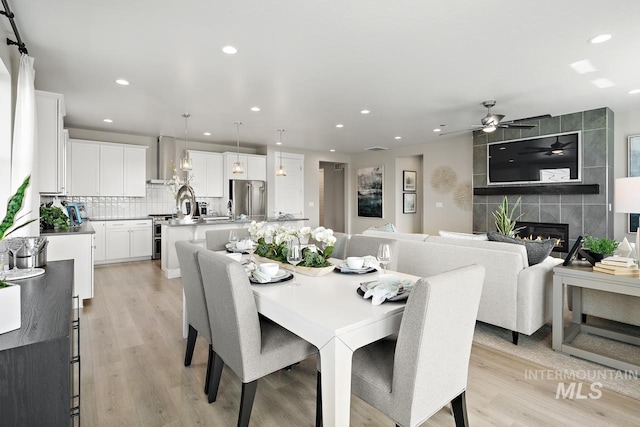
[{"x": 195, "y": 232}]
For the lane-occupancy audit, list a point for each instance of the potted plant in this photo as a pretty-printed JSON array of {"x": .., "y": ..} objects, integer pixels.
[
  {"x": 599, "y": 248},
  {"x": 504, "y": 218},
  {"x": 53, "y": 218},
  {"x": 10, "y": 305}
]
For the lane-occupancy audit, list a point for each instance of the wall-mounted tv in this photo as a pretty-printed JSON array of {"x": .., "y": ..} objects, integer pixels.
[{"x": 544, "y": 159}]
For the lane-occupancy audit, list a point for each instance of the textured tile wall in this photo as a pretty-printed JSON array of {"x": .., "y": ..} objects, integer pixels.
[{"x": 585, "y": 214}]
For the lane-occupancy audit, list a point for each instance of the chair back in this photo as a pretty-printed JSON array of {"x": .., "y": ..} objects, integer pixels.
[
  {"x": 197, "y": 314},
  {"x": 217, "y": 239},
  {"x": 361, "y": 245},
  {"x": 434, "y": 343},
  {"x": 340, "y": 246},
  {"x": 235, "y": 327}
]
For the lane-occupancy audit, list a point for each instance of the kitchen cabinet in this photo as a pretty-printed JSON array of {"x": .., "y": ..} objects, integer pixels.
[
  {"x": 84, "y": 168},
  {"x": 78, "y": 247},
  {"x": 107, "y": 169},
  {"x": 99, "y": 241},
  {"x": 230, "y": 159},
  {"x": 257, "y": 168},
  {"x": 128, "y": 239},
  {"x": 208, "y": 173},
  {"x": 51, "y": 143}
]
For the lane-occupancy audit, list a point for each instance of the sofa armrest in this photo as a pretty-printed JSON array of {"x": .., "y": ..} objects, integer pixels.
[{"x": 535, "y": 295}]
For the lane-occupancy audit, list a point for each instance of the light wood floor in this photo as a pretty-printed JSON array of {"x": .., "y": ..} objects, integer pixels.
[{"x": 133, "y": 373}]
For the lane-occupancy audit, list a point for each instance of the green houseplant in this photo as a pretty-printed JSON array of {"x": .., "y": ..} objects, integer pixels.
[
  {"x": 600, "y": 246},
  {"x": 52, "y": 217},
  {"x": 504, "y": 218}
]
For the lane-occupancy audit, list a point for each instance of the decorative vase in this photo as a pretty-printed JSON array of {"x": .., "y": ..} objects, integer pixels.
[
  {"x": 10, "y": 308},
  {"x": 307, "y": 271}
]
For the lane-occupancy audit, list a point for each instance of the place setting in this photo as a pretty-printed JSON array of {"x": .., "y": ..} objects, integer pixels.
[
  {"x": 267, "y": 273},
  {"x": 358, "y": 265}
]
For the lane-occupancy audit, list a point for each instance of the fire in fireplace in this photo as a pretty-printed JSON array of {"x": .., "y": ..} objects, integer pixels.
[{"x": 546, "y": 230}]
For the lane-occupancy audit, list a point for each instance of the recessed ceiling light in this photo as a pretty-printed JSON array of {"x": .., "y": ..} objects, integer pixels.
[
  {"x": 332, "y": 150},
  {"x": 603, "y": 83},
  {"x": 339, "y": 125},
  {"x": 207, "y": 134},
  {"x": 107, "y": 121},
  {"x": 230, "y": 50},
  {"x": 634, "y": 91},
  {"x": 255, "y": 109},
  {"x": 122, "y": 82},
  {"x": 583, "y": 67},
  {"x": 511, "y": 160},
  {"x": 365, "y": 112},
  {"x": 600, "y": 38},
  {"x": 278, "y": 143},
  {"x": 437, "y": 130},
  {"x": 397, "y": 137}
]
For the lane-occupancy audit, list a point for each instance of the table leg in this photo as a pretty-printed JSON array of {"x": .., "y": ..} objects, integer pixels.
[
  {"x": 558, "y": 308},
  {"x": 577, "y": 304},
  {"x": 335, "y": 364}
]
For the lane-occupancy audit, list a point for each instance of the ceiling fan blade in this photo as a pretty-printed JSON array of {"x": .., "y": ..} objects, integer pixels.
[
  {"x": 516, "y": 126},
  {"x": 539, "y": 149},
  {"x": 458, "y": 131},
  {"x": 544, "y": 116}
]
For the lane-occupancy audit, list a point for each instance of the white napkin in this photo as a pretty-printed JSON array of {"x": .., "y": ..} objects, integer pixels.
[
  {"x": 371, "y": 261},
  {"x": 243, "y": 245},
  {"x": 386, "y": 288},
  {"x": 254, "y": 272}
]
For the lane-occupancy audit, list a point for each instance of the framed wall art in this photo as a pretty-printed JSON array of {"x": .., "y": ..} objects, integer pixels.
[
  {"x": 370, "y": 184},
  {"x": 634, "y": 170},
  {"x": 409, "y": 203},
  {"x": 409, "y": 180}
]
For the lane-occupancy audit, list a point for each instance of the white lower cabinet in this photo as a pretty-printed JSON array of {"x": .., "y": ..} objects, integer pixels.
[
  {"x": 99, "y": 241},
  {"x": 79, "y": 248},
  {"x": 128, "y": 239}
]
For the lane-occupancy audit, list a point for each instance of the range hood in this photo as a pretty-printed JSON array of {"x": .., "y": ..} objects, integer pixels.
[{"x": 167, "y": 157}]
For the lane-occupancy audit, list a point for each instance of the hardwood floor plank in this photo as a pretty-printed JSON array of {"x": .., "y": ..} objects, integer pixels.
[{"x": 133, "y": 373}]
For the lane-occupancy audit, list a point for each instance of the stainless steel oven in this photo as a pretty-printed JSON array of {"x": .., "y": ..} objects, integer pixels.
[{"x": 156, "y": 243}]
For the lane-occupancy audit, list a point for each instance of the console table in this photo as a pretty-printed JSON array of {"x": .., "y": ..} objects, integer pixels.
[{"x": 581, "y": 275}]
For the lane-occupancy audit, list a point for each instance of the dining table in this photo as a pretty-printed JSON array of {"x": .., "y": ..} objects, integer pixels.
[{"x": 328, "y": 312}]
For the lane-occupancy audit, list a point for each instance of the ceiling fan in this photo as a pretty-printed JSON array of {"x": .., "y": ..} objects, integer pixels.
[
  {"x": 557, "y": 148},
  {"x": 491, "y": 121}
]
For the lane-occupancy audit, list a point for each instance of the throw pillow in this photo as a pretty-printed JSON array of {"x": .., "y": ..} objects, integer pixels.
[
  {"x": 467, "y": 236},
  {"x": 389, "y": 227},
  {"x": 537, "y": 250}
]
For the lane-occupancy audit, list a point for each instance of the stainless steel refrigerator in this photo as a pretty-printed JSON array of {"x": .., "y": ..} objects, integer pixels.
[{"x": 248, "y": 198}]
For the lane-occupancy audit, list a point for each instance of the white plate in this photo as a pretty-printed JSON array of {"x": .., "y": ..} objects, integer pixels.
[
  {"x": 280, "y": 274},
  {"x": 24, "y": 273},
  {"x": 345, "y": 267}
]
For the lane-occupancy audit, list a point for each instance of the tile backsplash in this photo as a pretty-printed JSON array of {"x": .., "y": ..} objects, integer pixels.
[{"x": 158, "y": 200}]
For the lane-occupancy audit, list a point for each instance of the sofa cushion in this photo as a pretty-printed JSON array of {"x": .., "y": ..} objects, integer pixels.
[
  {"x": 537, "y": 250},
  {"x": 397, "y": 235},
  {"x": 468, "y": 236}
]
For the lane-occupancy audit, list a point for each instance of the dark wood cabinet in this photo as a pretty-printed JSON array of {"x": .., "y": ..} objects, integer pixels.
[{"x": 37, "y": 376}]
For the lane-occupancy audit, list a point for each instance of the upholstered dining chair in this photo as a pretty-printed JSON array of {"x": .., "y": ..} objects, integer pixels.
[
  {"x": 340, "y": 246},
  {"x": 412, "y": 377},
  {"x": 251, "y": 346},
  {"x": 197, "y": 315},
  {"x": 217, "y": 239},
  {"x": 361, "y": 245}
]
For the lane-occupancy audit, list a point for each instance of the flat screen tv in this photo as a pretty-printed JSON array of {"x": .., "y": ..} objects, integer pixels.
[{"x": 545, "y": 159}]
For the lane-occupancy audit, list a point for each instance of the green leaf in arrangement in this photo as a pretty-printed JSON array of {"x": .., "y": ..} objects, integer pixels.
[{"x": 14, "y": 205}]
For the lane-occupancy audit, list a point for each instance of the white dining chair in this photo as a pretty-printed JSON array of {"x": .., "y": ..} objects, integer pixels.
[
  {"x": 250, "y": 345},
  {"x": 217, "y": 239},
  {"x": 412, "y": 377},
  {"x": 197, "y": 314},
  {"x": 361, "y": 245}
]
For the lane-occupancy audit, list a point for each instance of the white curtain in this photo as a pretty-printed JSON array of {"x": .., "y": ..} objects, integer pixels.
[{"x": 24, "y": 159}]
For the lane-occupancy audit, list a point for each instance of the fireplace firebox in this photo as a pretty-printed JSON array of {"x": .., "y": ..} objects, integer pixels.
[{"x": 546, "y": 230}]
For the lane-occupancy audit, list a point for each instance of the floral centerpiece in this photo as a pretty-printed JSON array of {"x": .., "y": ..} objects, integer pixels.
[{"x": 273, "y": 240}]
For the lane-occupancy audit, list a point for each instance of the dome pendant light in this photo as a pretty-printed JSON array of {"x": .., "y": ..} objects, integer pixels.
[
  {"x": 237, "y": 166},
  {"x": 185, "y": 163},
  {"x": 281, "y": 171}
]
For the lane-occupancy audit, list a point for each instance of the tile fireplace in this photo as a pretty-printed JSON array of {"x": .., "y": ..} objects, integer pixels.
[{"x": 546, "y": 230}]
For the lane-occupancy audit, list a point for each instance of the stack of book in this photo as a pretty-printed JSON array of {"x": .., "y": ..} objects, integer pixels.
[{"x": 617, "y": 265}]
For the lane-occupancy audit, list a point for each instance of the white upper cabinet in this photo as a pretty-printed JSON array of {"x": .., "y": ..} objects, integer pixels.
[
  {"x": 84, "y": 170},
  {"x": 51, "y": 143},
  {"x": 257, "y": 168},
  {"x": 107, "y": 169},
  {"x": 207, "y": 172}
]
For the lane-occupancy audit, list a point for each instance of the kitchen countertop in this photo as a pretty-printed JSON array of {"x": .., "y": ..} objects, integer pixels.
[
  {"x": 229, "y": 222},
  {"x": 84, "y": 228},
  {"x": 133, "y": 218}
]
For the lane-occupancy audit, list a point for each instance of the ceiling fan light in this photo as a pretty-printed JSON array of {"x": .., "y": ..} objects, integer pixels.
[
  {"x": 559, "y": 152},
  {"x": 489, "y": 128}
]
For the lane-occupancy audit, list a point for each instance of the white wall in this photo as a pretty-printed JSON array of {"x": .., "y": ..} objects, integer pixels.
[{"x": 626, "y": 124}]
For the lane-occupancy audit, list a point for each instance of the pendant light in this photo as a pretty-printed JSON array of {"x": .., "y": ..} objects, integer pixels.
[
  {"x": 237, "y": 166},
  {"x": 185, "y": 163},
  {"x": 281, "y": 171}
]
